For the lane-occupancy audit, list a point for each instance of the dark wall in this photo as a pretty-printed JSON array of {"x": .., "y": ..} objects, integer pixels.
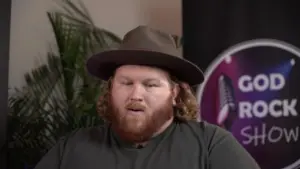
[
  {"x": 210, "y": 27},
  {"x": 5, "y": 9}
]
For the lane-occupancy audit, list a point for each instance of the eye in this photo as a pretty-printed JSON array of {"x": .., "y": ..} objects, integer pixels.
[
  {"x": 152, "y": 85},
  {"x": 127, "y": 83}
]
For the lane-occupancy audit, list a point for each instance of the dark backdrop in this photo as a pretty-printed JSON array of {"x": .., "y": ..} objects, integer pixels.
[
  {"x": 5, "y": 9},
  {"x": 210, "y": 26}
]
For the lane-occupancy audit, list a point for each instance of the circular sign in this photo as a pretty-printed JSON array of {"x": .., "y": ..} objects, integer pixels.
[{"x": 252, "y": 90}]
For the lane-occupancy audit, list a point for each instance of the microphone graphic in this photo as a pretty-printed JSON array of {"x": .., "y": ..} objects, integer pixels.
[{"x": 227, "y": 107}]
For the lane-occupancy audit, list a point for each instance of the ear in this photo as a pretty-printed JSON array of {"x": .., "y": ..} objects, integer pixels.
[{"x": 175, "y": 92}]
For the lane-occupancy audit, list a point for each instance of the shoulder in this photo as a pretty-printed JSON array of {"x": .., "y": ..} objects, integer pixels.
[
  {"x": 223, "y": 149},
  {"x": 212, "y": 135},
  {"x": 75, "y": 141},
  {"x": 84, "y": 135},
  {"x": 207, "y": 131}
]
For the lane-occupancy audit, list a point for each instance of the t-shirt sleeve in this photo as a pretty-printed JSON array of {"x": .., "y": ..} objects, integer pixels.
[
  {"x": 51, "y": 160},
  {"x": 225, "y": 152}
]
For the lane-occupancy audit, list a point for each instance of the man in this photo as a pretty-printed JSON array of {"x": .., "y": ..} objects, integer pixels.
[{"x": 151, "y": 114}]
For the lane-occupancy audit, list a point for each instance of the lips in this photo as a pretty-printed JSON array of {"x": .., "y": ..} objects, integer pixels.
[{"x": 135, "y": 108}]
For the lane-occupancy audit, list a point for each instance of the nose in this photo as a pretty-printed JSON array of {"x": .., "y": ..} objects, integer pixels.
[{"x": 136, "y": 93}]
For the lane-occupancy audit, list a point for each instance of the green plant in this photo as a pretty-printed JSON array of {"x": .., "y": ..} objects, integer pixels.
[{"x": 59, "y": 96}]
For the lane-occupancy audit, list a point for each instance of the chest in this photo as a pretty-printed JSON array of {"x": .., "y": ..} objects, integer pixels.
[{"x": 174, "y": 154}]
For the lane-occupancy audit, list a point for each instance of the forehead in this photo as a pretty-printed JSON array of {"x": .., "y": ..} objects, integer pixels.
[{"x": 138, "y": 71}]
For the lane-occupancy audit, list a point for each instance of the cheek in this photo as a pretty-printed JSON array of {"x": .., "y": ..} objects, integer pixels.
[
  {"x": 158, "y": 100},
  {"x": 118, "y": 98}
]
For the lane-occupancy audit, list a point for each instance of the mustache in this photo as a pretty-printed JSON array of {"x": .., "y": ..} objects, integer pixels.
[{"x": 135, "y": 106}]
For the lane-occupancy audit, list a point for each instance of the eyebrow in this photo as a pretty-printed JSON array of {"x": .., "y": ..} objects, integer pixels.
[
  {"x": 147, "y": 79},
  {"x": 151, "y": 79},
  {"x": 122, "y": 77}
]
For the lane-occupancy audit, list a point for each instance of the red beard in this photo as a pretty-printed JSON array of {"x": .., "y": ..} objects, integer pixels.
[{"x": 138, "y": 128}]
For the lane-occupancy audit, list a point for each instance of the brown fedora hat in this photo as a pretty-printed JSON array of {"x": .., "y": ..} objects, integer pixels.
[{"x": 149, "y": 47}]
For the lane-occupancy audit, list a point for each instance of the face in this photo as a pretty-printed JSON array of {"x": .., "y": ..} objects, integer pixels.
[{"x": 141, "y": 101}]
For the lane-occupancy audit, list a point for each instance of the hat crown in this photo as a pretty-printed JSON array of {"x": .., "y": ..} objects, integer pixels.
[
  {"x": 146, "y": 46},
  {"x": 146, "y": 38}
]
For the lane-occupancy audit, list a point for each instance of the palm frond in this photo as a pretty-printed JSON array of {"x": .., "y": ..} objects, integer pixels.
[{"x": 59, "y": 96}]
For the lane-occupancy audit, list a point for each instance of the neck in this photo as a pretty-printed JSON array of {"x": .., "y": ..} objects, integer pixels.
[
  {"x": 163, "y": 127},
  {"x": 159, "y": 131}
]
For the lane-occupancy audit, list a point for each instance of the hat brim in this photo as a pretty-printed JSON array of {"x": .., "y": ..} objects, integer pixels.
[{"x": 104, "y": 64}]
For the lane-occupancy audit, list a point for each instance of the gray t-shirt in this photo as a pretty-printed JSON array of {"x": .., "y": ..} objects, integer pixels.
[{"x": 183, "y": 145}]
